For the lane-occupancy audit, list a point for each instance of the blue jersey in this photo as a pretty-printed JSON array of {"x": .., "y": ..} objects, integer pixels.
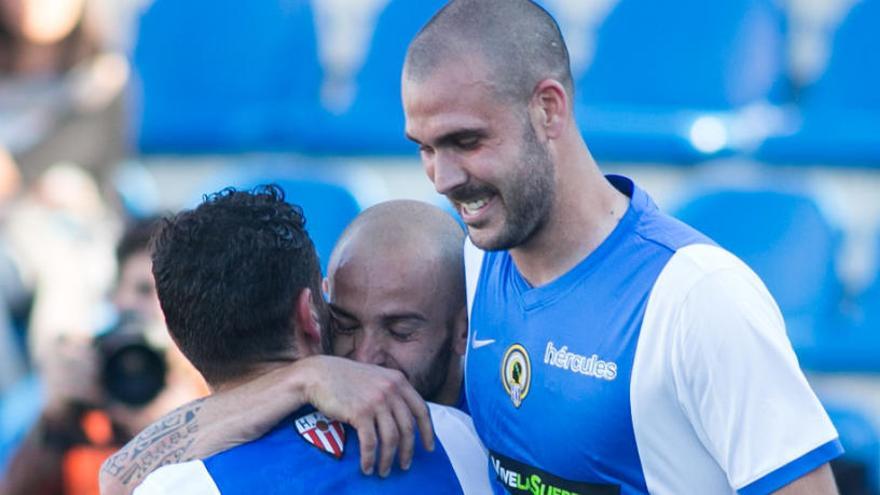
[
  {"x": 309, "y": 453},
  {"x": 658, "y": 364}
]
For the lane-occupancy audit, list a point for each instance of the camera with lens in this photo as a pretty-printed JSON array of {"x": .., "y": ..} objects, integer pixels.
[{"x": 132, "y": 369}]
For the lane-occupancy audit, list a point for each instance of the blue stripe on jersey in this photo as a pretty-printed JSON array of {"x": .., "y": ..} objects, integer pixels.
[
  {"x": 794, "y": 470},
  {"x": 282, "y": 462},
  {"x": 575, "y": 340}
]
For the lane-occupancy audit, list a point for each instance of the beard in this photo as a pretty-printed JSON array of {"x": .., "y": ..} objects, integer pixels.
[
  {"x": 430, "y": 379},
  {"x": 527, "y": 195}
]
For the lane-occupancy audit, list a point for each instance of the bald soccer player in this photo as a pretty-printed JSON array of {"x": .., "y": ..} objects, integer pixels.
[
  {"x": 419, "y": 248},
  {"x": 397, "y": 296}
]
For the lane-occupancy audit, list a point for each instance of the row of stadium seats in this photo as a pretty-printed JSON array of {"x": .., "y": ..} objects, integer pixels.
[{"x": 675, "y": 82}]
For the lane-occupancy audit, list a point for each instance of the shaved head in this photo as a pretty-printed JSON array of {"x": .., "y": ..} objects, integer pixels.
[
  {"x": 518, "y": 40},
  {"x": 397, "y": 295},
  {"x": 405, "y": 230}
]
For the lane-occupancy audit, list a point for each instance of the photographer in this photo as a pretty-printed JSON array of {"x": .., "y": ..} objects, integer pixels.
[{"x": 99, "y": 393}]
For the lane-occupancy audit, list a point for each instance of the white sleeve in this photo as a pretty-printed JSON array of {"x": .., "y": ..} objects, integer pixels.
[
  {"x": 455, "y": 431},
  {"x": 191, "y": 478},
  {"x": 738, "y": 382}
]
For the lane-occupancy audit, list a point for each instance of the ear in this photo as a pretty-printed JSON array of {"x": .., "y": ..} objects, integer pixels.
[
  {"x": 550, "y": 109},
  {"x": 460, "y": 332},
  {"x": 307, "y": 325}
]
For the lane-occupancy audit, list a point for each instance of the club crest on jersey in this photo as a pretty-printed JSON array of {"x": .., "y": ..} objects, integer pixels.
[
  {"x": 324, "y": 433},
  {"x": 516, "y": 373}
]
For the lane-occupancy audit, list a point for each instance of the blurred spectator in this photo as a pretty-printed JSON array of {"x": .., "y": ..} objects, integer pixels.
[
  {"x": 60, "y": 90},
  {"x": 43, "y": 36},
  {"x": 13, "y": 295},
  {"x": 82, "y": 423},
  {"x": 63, "y": 236}
]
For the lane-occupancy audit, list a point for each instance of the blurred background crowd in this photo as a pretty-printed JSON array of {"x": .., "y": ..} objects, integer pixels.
[{"x": 757, "y": 121}]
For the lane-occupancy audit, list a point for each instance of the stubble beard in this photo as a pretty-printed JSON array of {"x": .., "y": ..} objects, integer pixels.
[
  {"x": 429, "y": 381},
  {"x": 527, "y": 197}
]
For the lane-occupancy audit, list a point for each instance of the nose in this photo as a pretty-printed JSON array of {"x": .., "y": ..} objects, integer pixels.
[
  {"x": 444, "y": 172},
  {"x": 369, "y": 348}
]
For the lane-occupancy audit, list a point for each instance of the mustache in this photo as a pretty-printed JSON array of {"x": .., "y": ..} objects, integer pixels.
[{"x": 470, "y": 192}]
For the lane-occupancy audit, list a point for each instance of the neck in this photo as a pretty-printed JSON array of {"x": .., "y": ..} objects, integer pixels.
[
  {"x": 586, "y": 210},
  {"x": 252, "y": 374}
]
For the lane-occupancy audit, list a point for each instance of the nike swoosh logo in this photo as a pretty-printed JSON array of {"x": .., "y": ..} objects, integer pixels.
[{"x": 476, "y": 344}]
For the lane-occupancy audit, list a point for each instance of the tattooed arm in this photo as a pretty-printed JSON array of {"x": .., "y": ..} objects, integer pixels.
[
  {"x": 379, "y": 403},
  {"x": 166, "y": 441}
]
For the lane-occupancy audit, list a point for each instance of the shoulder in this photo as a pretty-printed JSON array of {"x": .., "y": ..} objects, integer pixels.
[
  {"x": 698, "y": 271},
  {"x": 706, "y": 297},
  {"x": 188, "y": 477},
  {"x": 668, "y": 232}
]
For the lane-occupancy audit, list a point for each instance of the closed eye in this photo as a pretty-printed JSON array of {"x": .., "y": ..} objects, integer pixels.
[{"x": 468, "y": 142}]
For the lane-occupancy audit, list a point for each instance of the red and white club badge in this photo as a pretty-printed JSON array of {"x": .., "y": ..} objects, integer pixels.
[{"x": 324, "y": 433}]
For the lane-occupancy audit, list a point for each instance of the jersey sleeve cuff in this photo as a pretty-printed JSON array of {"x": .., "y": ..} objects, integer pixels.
[{"x": 794, "y": 469}]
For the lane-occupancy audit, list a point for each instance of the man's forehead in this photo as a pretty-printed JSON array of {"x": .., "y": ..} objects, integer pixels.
[
  {"x": 432, "y": 115},
  {"x": 455, "y": 79}
]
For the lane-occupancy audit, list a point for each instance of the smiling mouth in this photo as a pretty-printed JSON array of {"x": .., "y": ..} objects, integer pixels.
[{"x": 473, "y": 210}]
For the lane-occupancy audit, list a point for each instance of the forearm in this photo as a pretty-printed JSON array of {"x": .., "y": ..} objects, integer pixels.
[{"x": 202, "y": 428}]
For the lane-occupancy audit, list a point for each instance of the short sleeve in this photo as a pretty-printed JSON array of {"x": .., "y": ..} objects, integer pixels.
[{"x": 739, "y": 383}]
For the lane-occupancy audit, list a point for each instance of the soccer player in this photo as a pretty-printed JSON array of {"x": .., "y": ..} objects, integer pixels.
[
  {"x": 236, "y": 324},
  {"x": 396, "y": 287},
  {"x": 613, "y": 349}
]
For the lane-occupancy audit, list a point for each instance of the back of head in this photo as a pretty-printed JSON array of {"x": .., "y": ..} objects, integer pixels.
[
  {"x": 228, "y": 274},
  {"x": 518, "y": 40}
]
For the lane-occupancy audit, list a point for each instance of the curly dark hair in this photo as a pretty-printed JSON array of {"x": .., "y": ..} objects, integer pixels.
[{"x": 228, "y": 274}]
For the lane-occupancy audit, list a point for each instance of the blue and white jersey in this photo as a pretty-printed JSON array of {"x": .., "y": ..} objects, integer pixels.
[
  {"x": 308, "y": 453},
  {"x": 659, "y": 364}
]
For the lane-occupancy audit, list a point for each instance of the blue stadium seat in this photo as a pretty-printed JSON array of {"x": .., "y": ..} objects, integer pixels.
[
  {"x": 839, "y": 118},
  {"x": 661, "y": 69},
  {"x": 328, "y": 207},
  {"x": 218, "y": 78},
  {"x": 213, "y": 76},
  {"x": 374, "y": 123},
  {"x": 19, "y": 409},
  {"x": 787, "y": 240},
  {"x": 857, "y": 343}
]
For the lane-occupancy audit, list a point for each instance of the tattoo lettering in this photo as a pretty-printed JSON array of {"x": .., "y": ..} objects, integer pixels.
[{"x": 164, "y": 442}]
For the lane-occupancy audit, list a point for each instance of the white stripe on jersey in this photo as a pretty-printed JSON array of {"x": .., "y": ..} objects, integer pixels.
[{"x": 456, "y": 433}]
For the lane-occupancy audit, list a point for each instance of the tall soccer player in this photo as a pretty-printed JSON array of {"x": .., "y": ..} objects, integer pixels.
[{"x": 613, "y": 348}]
